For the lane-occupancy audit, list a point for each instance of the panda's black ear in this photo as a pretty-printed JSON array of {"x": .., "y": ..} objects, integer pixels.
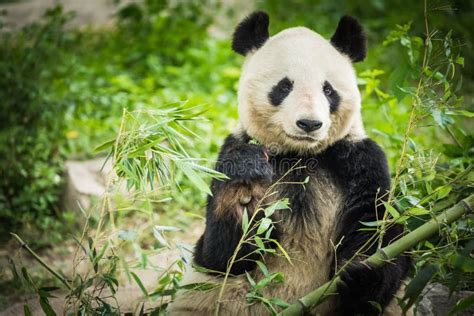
[
  {"x": 251, "y": 33},
  {"x": 350, "y": 39}
]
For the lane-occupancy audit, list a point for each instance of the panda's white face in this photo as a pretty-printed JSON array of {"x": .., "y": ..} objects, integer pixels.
[{"x": 298, "y": 92}]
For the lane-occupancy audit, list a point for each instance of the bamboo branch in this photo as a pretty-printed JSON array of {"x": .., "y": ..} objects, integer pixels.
[
  {"x": 38, "y": 258},
  {"x": 384, "y": 254}
]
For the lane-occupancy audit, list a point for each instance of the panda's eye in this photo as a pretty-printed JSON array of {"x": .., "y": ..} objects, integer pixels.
[
  {"x": 280, "y": 91},
  {"x": 286, "y": 86},
  {"x": 327, "y": 89},
  {"x": 332, "y": 96}
]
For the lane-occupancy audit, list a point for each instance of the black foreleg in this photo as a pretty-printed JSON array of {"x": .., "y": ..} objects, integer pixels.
[{"x": 249, "y": 175}]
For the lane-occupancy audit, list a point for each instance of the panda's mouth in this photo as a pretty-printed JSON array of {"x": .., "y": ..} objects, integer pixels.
[{"x": 302, "y": 138}]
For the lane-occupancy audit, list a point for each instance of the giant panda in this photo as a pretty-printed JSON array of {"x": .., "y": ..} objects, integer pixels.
[{"x": 298, "y": 102}]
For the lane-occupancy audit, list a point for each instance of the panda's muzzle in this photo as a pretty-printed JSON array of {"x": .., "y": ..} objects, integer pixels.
[{"x": 309, "y": 125}]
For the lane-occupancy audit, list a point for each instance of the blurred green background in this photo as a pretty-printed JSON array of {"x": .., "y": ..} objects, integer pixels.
[{"x": 63, "y": 88}]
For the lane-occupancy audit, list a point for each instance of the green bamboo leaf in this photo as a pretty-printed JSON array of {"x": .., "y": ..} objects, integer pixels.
[
  {"x": 462, "y": 262},
  {"x": 26, "y": 276},
  {"x": 205, "y": 169},
  {"x": 403, "y": 186},
  {"x": 16, "y": 276},
  {"x": 262, "y": 267},
  {"x": 283, "y": 251},
  {"x": 412, "y": 144},
  {"x": 417, "y": 211},
  {"x": 202, "y": 269},
  {"x": 372, "y": 224},
  {"x": 444, "y": 191},
  {"x": 418, "y": 283},
  {"x": 195, "y": 178},
  {"x": 464, "y": 113},
  {"x": 102, "y": 251},
  {"x": 402, "y": 219},
  {"x": 46, "y": 307},
  {"x": 268, "y": 233},
  {"x": 462, "y": 305},
  {"x": 250, "y": 279},
  {"x": 162, "y": 228},
  {"x": 259, "y": 243},
  {"x": 264, "y": 225},
  {"x": 391, "y": 210},
  {"x": 44, "y": 294},
  {"x": 199, "y": 286},
  {"x": 140, "y": 150},
  {"x": 279, "y": 302},
  {"x": 140, "y": 284},
  {"x": 274, "y": 277},
  {"x": 278, "y": 205},
  {"x": 104, "y": 145},
  {"x": 412, "y": 200},
  {"x": 167, "y": 292},
  {"x": 159, "y": 236}
]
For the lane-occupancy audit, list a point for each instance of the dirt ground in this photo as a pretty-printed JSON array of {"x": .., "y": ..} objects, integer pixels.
[{"x": 129, "y": 295}]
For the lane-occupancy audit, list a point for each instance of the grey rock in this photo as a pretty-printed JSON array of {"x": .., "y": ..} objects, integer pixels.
[
  {"x": 85, "y": 181},
  {"x": 437, "y": 302}
]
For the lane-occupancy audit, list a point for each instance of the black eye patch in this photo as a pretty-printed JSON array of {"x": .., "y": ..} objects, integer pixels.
[
  {"x": 332, "y": 96},
  {"x": 280, "y": 91}
]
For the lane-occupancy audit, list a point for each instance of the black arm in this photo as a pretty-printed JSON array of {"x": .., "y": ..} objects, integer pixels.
[
  {"x": 249, "y": 175},
  {"x": 363, "y": 171}
]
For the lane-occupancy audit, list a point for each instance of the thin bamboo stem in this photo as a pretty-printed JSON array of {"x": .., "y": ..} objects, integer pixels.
[
  {"x": 387, "y": 253},
  {"x": 258, "y": 208},
  {"x": 38, "y": 258}
]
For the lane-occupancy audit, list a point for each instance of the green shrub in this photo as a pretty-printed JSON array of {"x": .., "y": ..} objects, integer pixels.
[
  {"x": 156, "y": 55},
  {"x": 31, "y": 123},
  {"x": 63, "y": 92}
]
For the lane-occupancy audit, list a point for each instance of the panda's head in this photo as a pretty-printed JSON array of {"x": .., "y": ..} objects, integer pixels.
[{"x": 298, "y": 90}]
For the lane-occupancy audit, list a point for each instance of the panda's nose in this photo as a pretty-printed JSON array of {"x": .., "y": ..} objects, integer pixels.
[{"x": 309, "y": 125}]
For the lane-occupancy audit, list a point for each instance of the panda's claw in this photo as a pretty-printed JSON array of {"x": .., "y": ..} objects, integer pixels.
[{"x": 357, "y": 288}]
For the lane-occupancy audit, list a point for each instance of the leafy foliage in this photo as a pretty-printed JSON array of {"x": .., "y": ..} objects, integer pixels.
[
  {"x": 149, "y": 148},
  {"x": 31, "y": 154}
]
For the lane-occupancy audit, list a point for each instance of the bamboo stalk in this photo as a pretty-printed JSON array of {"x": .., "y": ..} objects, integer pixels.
[
  {"x": 38, "y": 258},
  {"x": 384, "y": 254}
]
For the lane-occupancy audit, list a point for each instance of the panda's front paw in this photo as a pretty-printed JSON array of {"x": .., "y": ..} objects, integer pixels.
[
  {"x": 359, "y": 290},
  {"x": 246, "y": 163}
]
